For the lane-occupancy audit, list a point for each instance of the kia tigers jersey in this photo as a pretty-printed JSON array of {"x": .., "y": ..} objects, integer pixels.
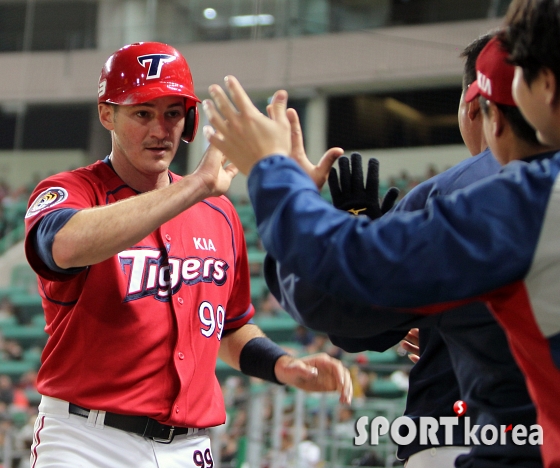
[
  {"x": 496, "y": 240},
  {"x": 139, "y": 333}
]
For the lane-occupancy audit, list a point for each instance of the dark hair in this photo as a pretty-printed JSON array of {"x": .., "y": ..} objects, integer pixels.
[
  {"x": 471, "y": 53},
  {"x": 517, "y": 122},
  {"x": 532, "y": 36}
]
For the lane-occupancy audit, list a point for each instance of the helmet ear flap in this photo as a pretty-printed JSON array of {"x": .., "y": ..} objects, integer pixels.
[{"x": 191, "y": 124}]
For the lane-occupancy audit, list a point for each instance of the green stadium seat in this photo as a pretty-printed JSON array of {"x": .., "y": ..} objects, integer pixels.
[
  {"x": 246, "y": 215},
  {"x": 14, "y": 213},
  {"x": 25, "y": 335},
  {"x": 28, "y": 305},
  {"x": 258, "y": 289},
  {"x": 20, "y": 418},
  {"x": 23, "y": 277},
  {"x": 15, "y": 369},
  {"x": 277, "y": 328},
  {"x": 387, "y": 357},
  {"x": 223, "y": 371},
  {"x": 251, "y": 237},
  {"x": 33, "y": 396},
  {"x": 256, "y": 256},
  {"x": 386, "y": 388},
  {"x": 7, "y": 321},
  {"x": 9, "y": 239},
  {"x": 38, "y": 320},
  {"x": 32, "y": 355}
]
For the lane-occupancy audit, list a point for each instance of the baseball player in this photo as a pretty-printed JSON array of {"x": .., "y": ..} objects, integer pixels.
[
  {"x": 145, "y": 282},
  {"x": 494, "y": 241}
]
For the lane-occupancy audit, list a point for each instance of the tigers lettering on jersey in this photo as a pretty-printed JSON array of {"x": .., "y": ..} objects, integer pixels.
[
  {"x": 47, "y": 198},
  {"x": 152, "y": 273}
]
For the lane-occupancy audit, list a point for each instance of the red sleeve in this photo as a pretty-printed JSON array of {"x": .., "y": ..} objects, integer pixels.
[{"x": 65, "y": 190}]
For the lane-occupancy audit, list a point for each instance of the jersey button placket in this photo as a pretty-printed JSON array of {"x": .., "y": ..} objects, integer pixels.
[
  {"x": 181, "y": 355},
  {"x": 180, "y": 300}
]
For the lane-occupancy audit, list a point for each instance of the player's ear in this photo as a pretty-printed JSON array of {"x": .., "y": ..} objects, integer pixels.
[
  {"x": 473, "y": 109},
  {"x": 106, "y": 115},
  {"x": 549, "y": 85},
  {"x": 497, "y": 119}
]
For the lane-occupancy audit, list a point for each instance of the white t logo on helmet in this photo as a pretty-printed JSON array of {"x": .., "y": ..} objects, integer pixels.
[{"x": 155, "y": 62}]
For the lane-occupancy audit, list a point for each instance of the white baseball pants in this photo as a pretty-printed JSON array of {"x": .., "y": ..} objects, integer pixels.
[{"x": 64, "y": 440}]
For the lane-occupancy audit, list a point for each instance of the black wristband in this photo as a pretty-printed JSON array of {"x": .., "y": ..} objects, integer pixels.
[{"x": 258, "y": 358}]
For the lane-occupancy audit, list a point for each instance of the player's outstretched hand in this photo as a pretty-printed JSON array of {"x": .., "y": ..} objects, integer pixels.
[
  {"x": 214, "y": 173},
  {"x": 351, "y": 195},
  {"x": 240, "y": 130},
  {"x": 316, "y": 373},
  {"x": 411, "y": 344},
  {"x": 320, "y": 172}
]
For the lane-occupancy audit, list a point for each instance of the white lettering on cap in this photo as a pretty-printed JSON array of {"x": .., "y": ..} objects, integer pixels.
[{"x": 484, "y": 83}]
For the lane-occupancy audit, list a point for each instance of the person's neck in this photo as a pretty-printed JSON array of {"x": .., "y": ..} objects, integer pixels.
[
  {"x": 523, "y": 149},
  {"x": 138, "y": 181}
]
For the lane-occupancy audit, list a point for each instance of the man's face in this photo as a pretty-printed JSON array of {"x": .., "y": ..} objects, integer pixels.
[
  {"x": 146, "y": 136},
  {"x": 536, "y": 106}
]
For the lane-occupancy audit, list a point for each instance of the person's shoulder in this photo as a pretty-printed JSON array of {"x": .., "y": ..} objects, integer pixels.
[
  {"x": 472, "y": 170},
  {"x": 484, "y": 161},
  {"x": 221, "y": 203},
  {"x": 542, "y": 166},
  {"x": 101, "y": 170},
  {"x": 98, "y": 169},
  {"x": 462, "y": 174},
  {"x": 486, "y": 158},
  {"x": 444, "y": 178}
]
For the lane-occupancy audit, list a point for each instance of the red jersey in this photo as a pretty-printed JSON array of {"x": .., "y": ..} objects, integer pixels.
[{"x": 139, "y": 333}]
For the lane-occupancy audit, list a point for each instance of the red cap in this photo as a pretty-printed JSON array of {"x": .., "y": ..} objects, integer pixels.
[{"x": 494, "y": 75}]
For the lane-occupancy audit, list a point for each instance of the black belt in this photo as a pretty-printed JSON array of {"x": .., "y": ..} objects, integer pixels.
[{"x": 141, "y": 425}]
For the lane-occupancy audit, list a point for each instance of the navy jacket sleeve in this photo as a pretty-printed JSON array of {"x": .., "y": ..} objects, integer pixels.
[
  {"x": 468, "y": 171},
  {"x": 459, "y": 246},
  {"x": 328, "y": 314}
]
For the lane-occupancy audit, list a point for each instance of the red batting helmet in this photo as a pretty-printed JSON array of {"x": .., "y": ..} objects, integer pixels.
[{"x": 143, "y": 71}]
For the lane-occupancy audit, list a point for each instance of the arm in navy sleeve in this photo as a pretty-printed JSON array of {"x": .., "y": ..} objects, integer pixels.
[
  {"x": 381, "y": 342},
  {"x": 468, "y": 171},
  {"x": 43, "y": 238},
  {"x": 326, "y": 313},
  {"x": 460, "y": 246}
]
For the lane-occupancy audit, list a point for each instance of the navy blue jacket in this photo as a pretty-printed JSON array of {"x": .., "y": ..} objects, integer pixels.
[{"x": 478, "y": 368}]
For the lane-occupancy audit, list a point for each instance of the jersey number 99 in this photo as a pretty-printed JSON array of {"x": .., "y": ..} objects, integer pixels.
[{"x": 211, "y": 320}]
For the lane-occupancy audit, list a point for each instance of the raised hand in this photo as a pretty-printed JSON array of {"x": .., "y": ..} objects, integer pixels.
[
  {"x": 320, "y": 172},
  {"x": 351, "y": 195},
  {"x": 214, "y": 173},
  {"x": 242, "y": 132}
]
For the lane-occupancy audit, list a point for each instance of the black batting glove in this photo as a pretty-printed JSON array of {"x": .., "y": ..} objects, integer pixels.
[{"x": 352, "y": 196}]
